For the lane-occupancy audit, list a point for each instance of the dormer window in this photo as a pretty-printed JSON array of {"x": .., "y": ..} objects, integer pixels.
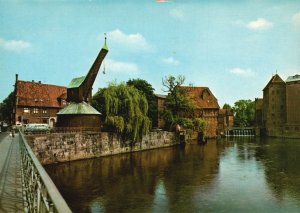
[{"x": 205, "y": 95}]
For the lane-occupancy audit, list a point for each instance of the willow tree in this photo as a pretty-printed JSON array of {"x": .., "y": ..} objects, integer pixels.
[
  {"x": 146, "y": 88},
  {"x": 125, "y": 110}
]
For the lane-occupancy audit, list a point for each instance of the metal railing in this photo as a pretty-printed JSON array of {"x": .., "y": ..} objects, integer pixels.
[{"x": 39, "y": 192}]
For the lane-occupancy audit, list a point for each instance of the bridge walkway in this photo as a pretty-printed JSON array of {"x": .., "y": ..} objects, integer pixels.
[{"x": 11, "y": 195}]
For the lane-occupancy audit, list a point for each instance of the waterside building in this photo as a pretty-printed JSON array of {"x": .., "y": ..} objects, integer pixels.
[
  {"x": 36, "y": 102},
  {"x": 278, "y": 113},
  {"x": 206, "y": 107}
]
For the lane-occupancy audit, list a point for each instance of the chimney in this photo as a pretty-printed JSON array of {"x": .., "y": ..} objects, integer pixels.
[{"x": 17, "y": 77}]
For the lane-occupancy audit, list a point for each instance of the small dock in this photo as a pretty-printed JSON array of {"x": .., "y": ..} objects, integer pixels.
[{"x": 11, "y": 194}]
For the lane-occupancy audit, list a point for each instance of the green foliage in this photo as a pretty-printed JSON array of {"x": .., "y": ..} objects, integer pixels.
[
  {"x": 177, "y": 101},
  {"x": 145, "y": 88},
  {"x": 199, "y": 125},
  {"x": 6, "y": 108},
  {"x": 98, "y": 101},
  {"x": 179, "y": 107},
  {"x": 226, "y": 106},
  {"x": 244, "y": 113},
  {"x": 125, "y": 110}
]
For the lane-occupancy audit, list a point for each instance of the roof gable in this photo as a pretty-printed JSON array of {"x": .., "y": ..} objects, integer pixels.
[
  {"x": 274, "y": 80},
  {"x": 202, "y": 97},
  {"x": 39, "y": 95}
]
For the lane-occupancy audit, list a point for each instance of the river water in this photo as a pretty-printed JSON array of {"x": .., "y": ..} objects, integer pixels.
[{"x": 232, "y": 175}]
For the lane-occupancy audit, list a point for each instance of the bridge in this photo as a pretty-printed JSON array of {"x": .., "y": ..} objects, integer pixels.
[
  {"x": 240, "y": 131},
  {"x": 24, "y": 184}
]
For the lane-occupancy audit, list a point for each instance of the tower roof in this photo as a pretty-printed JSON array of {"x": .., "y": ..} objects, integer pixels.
[
  {"x": 274, "y": 80},
  {"x": 293, "y": 78}
]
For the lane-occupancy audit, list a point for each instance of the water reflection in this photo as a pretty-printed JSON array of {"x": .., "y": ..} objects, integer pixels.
[{"x": 247, "y": 174}]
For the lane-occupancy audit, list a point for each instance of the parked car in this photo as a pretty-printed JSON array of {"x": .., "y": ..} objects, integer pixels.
[
  {"x": 36, "y": 128},
  {"x": 4, "y": 126}
]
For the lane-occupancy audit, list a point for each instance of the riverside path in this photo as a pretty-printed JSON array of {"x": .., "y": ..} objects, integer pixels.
[{"x": 11, "y": 198}]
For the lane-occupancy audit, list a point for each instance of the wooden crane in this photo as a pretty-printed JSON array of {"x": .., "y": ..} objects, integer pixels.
[{"x": 80, "y": 89}]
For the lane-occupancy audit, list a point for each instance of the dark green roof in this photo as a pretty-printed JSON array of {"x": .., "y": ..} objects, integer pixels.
[
  {"x": 79, "y": 109},
  {"x": 76, "y": 82}
]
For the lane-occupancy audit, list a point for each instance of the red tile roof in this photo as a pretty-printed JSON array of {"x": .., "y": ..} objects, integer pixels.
[
  {"x": 39, "y": 95},
  {"x": 202, "y": 97}
]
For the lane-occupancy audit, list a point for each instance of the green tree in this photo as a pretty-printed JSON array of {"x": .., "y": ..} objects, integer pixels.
[
  {"x": 145, "y": 88},
  {"x": 124, "y": 109},
  {"x": 244, "y": 113},
  {"x": 177, "y": 100},
  {"x": 6, "y": 108},
  {"x": 179, "y": 107},
  {"x": 98, "y": 102},
  {"x": 226, "y": 106}
]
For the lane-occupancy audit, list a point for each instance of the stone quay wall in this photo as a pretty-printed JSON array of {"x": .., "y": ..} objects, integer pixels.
[{"x": 63, "y": 147}]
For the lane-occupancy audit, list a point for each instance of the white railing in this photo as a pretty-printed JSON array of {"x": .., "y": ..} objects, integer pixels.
[{"x": 39, "y": 192}]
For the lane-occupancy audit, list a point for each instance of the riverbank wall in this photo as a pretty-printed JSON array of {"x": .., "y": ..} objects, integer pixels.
[{"x": 64, "y": 147}]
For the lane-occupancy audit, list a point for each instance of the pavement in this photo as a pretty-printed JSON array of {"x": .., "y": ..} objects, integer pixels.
[{"x": 11, "y": 199}]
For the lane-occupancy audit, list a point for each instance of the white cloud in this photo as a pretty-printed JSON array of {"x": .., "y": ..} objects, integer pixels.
[
  {"x": 14, "y": 45},
  {"x": 162, "y": 1},
  {"x": 171, "y": 61},
  {"x": 133, "y": 41},
  {"x": 296, "y": 18},
  {"x": 177, "y": 13},
  {"x": 260, "y": 23},
  {"x": 242, "y": 72},
  {"x": 121, "y": 67}
]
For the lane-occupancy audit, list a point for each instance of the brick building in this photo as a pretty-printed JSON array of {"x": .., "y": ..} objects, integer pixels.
[
  {"x": 225, "y": 120},
  {"x": 274, "y": 109},
  {"x": 278, "y": 112},
  {"x": 38, "y": 103},
  {"x": 292, "y": 126},
  {"x": 206, "y": 107},
  {"x": 160, "y": 103}
]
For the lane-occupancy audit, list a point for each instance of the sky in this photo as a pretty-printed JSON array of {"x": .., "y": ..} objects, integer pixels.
[{"x": 232, "y": 47}]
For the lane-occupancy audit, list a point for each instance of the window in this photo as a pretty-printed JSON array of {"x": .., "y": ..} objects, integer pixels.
[
  {"x": 26, "y": 110},
  {"x": 35, "y": 110},
  {"x": 44, "y": 111}
]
